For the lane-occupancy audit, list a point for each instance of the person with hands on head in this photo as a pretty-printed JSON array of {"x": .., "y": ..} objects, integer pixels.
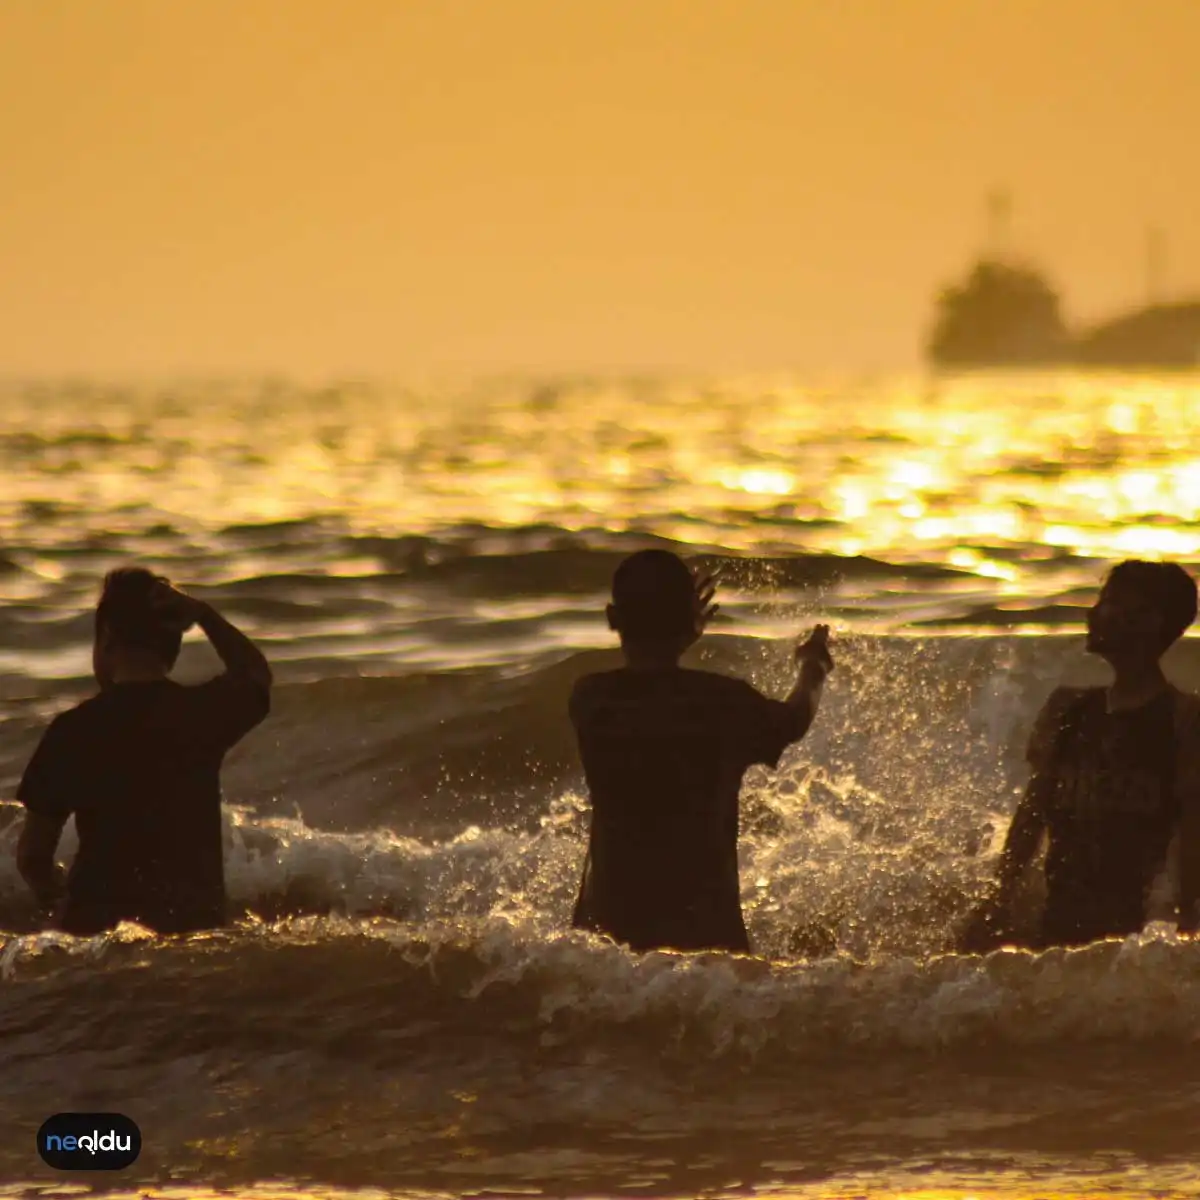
[
  {"x": 1114, "y": 791},
  {"x": 664, "y": 749},
  {"x": 138, "y": 766}
]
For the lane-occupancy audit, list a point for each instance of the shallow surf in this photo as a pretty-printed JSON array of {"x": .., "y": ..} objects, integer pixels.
[{"x": 400, "y": 1006}]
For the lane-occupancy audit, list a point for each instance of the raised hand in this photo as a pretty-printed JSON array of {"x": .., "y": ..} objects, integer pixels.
[
  {"x": 173, "y": 607},
  {"x": 815, "y": 649}
]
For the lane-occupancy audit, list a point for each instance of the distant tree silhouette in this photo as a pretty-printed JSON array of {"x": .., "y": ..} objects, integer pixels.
[{"x": 1001, "y": 315}]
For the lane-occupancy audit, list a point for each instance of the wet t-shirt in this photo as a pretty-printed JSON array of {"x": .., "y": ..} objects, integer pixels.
[
  {"x": 138, "y": 765},
  {"x": 664, "y": 753},
  {"x": 1111, "y": 811}
]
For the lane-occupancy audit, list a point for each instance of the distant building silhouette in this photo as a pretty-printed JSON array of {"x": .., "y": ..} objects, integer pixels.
[
  {"x": 1007, "y": 315},
  {"x": 1002, "y": 314},
  {"x": 1162, "y": 335}
]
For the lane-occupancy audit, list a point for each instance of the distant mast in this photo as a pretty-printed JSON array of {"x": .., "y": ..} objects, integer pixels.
[
  {"x": 1156, "y": 265},
  {"x": 999, "y": 222}
]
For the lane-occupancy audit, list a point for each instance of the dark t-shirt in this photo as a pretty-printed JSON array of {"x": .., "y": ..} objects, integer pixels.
[
  {"x": 1111, "y": 811},
  {"x": 139, "y": 767},
  {"x": 664, "y": 753}
]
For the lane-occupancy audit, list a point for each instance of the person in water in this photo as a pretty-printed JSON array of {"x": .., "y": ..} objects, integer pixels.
[
  {"x": 1115, "y": 783},
  {"x": 138, "y": 765},
  {"x": 664, "y": 749}
]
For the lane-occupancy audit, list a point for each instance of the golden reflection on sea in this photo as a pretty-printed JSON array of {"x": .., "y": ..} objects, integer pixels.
[{"x": 987, "y": 474}]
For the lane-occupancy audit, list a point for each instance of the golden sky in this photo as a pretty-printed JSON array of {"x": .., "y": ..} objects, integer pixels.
[{"x": 389, "y": 186}]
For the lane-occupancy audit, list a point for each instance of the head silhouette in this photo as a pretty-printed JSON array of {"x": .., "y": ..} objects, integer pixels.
[
  {"x": 1143, "y": 608},
  {"x": 128, "y": 627},
  {"x": 654, "y": 601}
]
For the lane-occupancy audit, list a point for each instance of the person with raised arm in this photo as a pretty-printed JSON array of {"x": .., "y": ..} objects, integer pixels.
[
  {"x": 664, "y": 749},
  {"x": 138, "y": 766}
]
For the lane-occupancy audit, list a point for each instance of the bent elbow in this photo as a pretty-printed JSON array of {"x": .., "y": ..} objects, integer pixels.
[{"x": 256, "y": 670}]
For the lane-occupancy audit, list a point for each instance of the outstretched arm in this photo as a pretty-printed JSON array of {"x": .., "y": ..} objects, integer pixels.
[
  {"x": 989, "y": 924},
  {"x": 1024, "y": 838},
  {"x": 771, "y": 733},
  {"x": 242, "y": 658},
  {"x": 815, "y": 663},
  {"x": 36, "y": 847}
]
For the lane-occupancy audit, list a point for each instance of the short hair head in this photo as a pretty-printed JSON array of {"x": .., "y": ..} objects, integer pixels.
[
  {"x": 653, "y": 597},
  {"x": 1165, "y": 586},
  {"x": 126, "y": 618}
]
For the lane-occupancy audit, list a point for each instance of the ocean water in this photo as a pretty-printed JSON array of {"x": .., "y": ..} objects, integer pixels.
[{"x": 401, "y": 1008}]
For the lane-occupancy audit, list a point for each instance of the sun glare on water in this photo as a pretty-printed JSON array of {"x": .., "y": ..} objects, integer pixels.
[{"x": 986, "y": 475}]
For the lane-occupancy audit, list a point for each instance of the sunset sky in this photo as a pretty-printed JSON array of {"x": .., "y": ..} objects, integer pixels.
[{"x": 389, "y": 186}]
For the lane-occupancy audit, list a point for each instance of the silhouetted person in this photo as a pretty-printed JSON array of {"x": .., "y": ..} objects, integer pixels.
[
  {"x": 1115, "y": 779},
  {"x": 664, "y": 750},
  {"x": 139, "y": 765}
]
